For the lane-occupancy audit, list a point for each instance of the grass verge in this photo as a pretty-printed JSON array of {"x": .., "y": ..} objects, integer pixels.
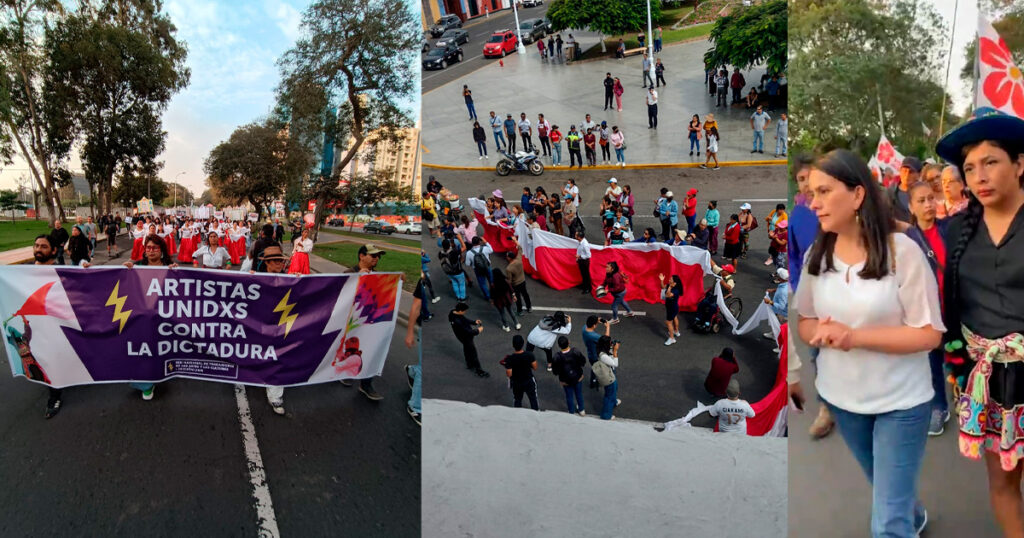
[
  {"x": 22, "y": 233},
  {"x": 347, "y": 253}
]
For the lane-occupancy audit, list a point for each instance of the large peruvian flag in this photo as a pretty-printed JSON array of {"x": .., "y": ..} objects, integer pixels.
[
  {"x": 770, "y": 413},
  {"x": 1000, "y": 82},
  {"x": 499, "y": 235}
]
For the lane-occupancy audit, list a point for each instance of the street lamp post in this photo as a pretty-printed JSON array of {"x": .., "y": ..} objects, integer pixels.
[
  {"x": 650, "y": 41},
  {"x": 519, "y": 34}
]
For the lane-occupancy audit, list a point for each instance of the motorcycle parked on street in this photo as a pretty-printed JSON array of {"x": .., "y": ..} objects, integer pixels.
[{"x": 522, "y": 161}]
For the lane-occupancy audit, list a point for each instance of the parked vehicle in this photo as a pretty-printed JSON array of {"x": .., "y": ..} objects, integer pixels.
[
  {"x": 445, "y": 23},
  {"x": 455, "y": 35},
  {"x": 379, "y": 227},
  {"x": 425, "y": 46},
  {"x": 522, "y": 161},
  {"x": 441, "y": 57},
  {"x": 409, "y": 228},
  {"x": 532, "y": 30},
  {"x": 337, "y": 222},
  {"x": 501, "y": 43},
  {"x": 533, "y": 3}
]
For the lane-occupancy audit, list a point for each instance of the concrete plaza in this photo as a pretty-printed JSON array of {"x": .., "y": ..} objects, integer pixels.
[{"x": 565, "y": 93}]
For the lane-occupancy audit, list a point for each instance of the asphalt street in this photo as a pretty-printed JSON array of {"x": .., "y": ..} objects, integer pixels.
[
  {"x": 657, "y": 383},
  {"x": 111, "y": 464}
]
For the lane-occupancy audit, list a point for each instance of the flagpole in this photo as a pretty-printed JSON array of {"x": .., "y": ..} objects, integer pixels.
[
  {"x": 949, "y": 61},
  {"x": 881, "y": 119}
]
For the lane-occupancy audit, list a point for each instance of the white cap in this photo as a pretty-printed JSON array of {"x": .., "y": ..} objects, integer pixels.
[
  {"x": 745, "y": 206},
  {"x": 704, "y": 222},
  {"x": 782, "y": 274},
  {"x": 618, "y": 225},
  {"x": 613, "y": 180},
  {"x": 668, "y": 194}
]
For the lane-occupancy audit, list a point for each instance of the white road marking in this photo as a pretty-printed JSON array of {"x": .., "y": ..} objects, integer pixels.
[
  {"x": 587, "y": 310},
  {"x": 257, "y": 476},
  {"x": 760, "y": 200}
]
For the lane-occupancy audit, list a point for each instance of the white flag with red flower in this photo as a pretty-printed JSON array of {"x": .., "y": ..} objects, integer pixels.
[
  {"x": 886, "y": 155},
  {"x": 1000, "y": 82}
]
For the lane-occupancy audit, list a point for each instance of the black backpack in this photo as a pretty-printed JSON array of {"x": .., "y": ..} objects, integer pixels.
[
  {"x": 450, "y": 262},
  {"x": 480, "y": 261}
]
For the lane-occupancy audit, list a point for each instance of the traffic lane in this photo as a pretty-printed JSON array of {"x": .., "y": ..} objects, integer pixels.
[
  {"x": 328, "y": 230},
  {"x": 828, "y": 493},
  {"x": 479, "y": 31},
  {"x": 657, "y": 382},
  {"x": 337, "y": 460}
]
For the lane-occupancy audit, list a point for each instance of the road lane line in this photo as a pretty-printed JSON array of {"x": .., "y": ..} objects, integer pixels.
[
  {"x": 759, "y": 200},
  {"x": 267, "y": 523}
]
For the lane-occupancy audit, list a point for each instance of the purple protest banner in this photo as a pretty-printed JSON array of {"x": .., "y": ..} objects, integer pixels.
[{"x": 69, "y": 326}]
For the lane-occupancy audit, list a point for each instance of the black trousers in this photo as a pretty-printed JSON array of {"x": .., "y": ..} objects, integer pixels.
[
  {"x": 667, "y": 230},
  {"x": 736, "y": 98},
  {"x": 511, "y": 143},
  {"x": 547, "y": 352},
  {"x": 584, "y": 265},
  {"x": 472, "y": 359},
  {"x": 606, "y": 152},
  {"x": 652, "y": 116},
  {"x": 528, "y": 388},
  {"x": 545, "y": 145},
  {"x": 522, "y": 296},
  {"x": 527, "y": 142},
  {"x": 575, "y": 157},
  {"x": 609, "y": 99},
  {"x": 661, "y": 79}
]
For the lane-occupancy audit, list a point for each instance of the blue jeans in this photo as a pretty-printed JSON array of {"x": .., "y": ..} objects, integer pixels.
[
  {"x": 472, "y": 110},
  {"x": 458, "y": 285},
  {"x": 758, "y": 140},
  {"x": 556, "y": 155},
  {"x": 499, "y": 140},
  {"x": 691, "y": 222},
  {"x": 619, "y": 298},
  {"x": 485, "y": 282},
  {"x": 620, "y": 155},
  {"x": 694, "y": 143},
  {"x": 574, "y": 397},
  {"x": 481, "y": 146},
  {"x": 780, "y": 145},
  {"x": 657, "y": 45},
  {"x": 935, "y": 360},
  {"x": 889, "y": 448},
  {"x": 417, "y": 387},
  {"x": 610, "y": 396}
]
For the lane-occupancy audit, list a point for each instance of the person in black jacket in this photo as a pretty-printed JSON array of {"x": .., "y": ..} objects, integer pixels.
[
  {"x": 60, "y": 237},
  {"x": 266, "y": 239},
  {"x": 569, "y": 365},
  {"x": 278, "y": 231},
  {"x": 480, "y": 137},
  {"x": 609, "y": 86},
  {"x": 79, "y": 246},
  {"x": 519, "y": 367},
  {"x": 465, "y": 330}
]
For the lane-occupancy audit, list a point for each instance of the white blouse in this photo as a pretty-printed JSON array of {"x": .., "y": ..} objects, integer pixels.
[
  {"x": 216, "y": 259},
  {"x": 865, "y": 381},
  {"x": 303, "y": 245}
]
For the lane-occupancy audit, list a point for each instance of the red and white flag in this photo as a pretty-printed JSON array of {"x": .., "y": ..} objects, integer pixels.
[
  {"x": 1000, "y": 81},
  {"x": 886, "y": 155}
]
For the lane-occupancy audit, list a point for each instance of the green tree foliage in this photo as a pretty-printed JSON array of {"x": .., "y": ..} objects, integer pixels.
[
  {"x": 9, "y": 202},
  {"x": 256, "y": 164},
  {"x": 608, "y": 17},
  {"x": 352, "y": 74},
  {"x": 751, "y": 36},
  {"x": 136, "y": 185},
  {"x": 113, "y": 68},
  {"x": 846, "y": 56}
]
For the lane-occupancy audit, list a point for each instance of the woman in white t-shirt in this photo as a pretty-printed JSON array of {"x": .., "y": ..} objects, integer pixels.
[
  {"x": 212, "y": 255},
  {"x": 869, "y": 300}
]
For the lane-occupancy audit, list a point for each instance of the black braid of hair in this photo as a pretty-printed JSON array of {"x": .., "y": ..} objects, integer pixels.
[{"x": 951, "y": 292}]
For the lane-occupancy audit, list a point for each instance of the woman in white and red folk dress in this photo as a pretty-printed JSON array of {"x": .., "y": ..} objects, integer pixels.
[
  {"x": 166, "y": 232},
  {"x": 300, "y": 254},
  {"x": 188, "y": 245},
  {"x": 235, "y": 243},
  {"x": 138, "y": 234}
]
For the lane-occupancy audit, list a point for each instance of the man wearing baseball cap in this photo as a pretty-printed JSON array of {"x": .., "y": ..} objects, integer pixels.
[
  {"x": 613, "y": 189},
  {"x": 690, "y": 210},
  {"x": 369, "y": 255},
  {"x": 899, "y": 195}
]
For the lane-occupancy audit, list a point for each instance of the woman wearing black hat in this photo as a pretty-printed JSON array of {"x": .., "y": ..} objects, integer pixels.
[{"x": 984, "y": 302}]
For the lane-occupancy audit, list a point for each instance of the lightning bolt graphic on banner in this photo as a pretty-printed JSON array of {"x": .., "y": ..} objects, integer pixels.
[
  {"x": 286, "y": 316},
  {"x": 118, "y": 303}
]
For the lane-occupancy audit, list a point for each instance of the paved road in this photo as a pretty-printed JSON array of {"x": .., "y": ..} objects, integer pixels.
[
  {"x": 829, "y": 496},
  {"x": 656, "y": 383},
  {"x": 566, "y": 93},
  {"x": 111, "y": 464},
  {"x": 369, "y": 237}
]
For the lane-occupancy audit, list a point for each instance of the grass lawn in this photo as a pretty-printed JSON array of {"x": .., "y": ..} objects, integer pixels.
[
  {"x": 22, "y": 233},
  {"x": 347, "y": 254},
  {"x": 375, "y": 238}
]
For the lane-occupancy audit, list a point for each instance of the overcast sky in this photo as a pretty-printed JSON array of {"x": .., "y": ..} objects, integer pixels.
[
  {"x": 232, "y": 51},
  {"x": 966, "y": 29}
]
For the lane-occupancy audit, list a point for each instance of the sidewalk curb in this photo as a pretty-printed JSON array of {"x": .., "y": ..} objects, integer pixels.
[{"x": 649, "y": 166}]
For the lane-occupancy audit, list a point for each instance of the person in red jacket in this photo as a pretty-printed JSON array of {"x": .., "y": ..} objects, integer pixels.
[
  {"x": 690, "y": 210},
  {"x": 733, "y": 246},
  {"x": 722, "y": 369}
]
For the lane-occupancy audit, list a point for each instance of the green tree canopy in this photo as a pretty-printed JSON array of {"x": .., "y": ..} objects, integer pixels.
[
  {"x": 608, "y": 17},
  {"x": 849, "y": 55},
  {"x": 136, "y": 185},
  {"x": 255, "y": 165},
  {"x": 751, "y": 36},
  {"x": 9, "y": 202}
]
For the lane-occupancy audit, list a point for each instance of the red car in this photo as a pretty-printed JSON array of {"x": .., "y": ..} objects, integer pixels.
[{"x": 501, "y": 43}]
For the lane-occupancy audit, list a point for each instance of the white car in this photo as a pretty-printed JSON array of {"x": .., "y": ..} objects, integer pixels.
[{"x": 409, "y": 228}]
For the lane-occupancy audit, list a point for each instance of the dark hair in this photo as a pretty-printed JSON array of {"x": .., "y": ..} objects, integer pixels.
[
  {"x": 734, "y": 217},
  {"x": 663, "y": 191},
  {"x": 875, "y": 220},
  {"x": 968, "y": 227},
  {"x": 780, "y": 207},
  {"x": 475, "y": 241},
  {"x": 727, "y": 355},
  {"x": 517, "y": 342},
  {"x": 677, "y": 282},
  {"x": 714, "y": 203},
  {"x": 558, "y": 320},
  {"x": 604, "y": 344},
  {"x": 461, "y": 307},
  {"x": 563, "y": 342},
  {"x": 165, "y": 255},
  {"x": 501, "y": 285},
  {"x": 591, "y": 320},
  {"x": 446, "y": 244},
  {"x": 46, "y": 237},
  {"x": 910, "y": 191},
  {"x": 615, "y": 267}
]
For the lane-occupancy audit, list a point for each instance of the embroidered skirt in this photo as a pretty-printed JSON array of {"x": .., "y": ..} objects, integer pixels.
[{"x": 991, "y": 407}]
